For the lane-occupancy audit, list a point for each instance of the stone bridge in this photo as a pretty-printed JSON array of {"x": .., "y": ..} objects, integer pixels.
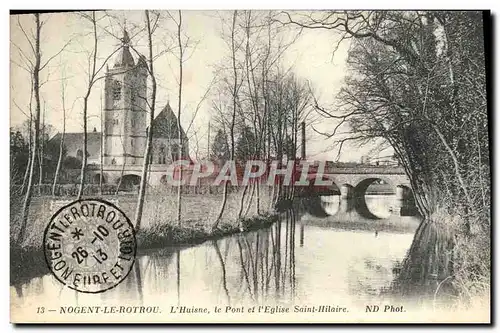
[
  {"x": 129, "y": 173},
  {"x": 356, "y": 175},
  {"x": 352, "y": 185}
]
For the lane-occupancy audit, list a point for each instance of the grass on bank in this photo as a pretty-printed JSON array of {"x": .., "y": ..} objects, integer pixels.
[
  {"x": 161, "y": 235},
  {"x": 159, "y": 227}
]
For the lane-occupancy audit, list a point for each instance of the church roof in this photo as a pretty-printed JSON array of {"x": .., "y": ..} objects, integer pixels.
[
  {"x": 124, "y": 57},
  {"x": 142, "y": 61},
  {"x": 165, "y": 124},
  {"x": 74, "y": 141}
]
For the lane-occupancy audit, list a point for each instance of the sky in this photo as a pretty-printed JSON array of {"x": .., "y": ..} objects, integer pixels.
[{"x": 311, "y": 58}]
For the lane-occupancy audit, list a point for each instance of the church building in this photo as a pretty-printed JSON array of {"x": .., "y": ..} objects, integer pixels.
[{"x": 125, "y": 118}]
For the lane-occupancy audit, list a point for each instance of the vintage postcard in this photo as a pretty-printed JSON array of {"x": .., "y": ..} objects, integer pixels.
[{"x": 250, "y": 166}]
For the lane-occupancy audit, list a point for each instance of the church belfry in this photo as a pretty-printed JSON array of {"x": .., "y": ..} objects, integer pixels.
[{"x": 125, "y": 113}]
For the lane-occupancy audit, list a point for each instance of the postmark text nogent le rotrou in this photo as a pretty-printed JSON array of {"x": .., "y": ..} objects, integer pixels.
[{"x": 90, "y": 245}]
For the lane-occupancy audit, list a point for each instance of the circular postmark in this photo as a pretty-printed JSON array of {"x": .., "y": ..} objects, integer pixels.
[{"x": 90, "y": 245}]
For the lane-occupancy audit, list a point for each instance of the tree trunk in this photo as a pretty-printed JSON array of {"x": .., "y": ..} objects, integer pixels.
[
  {"x": 36, "y": 87},
  {"x": 30, "y": 142},
  {"x": 101, "y": 155},
  {"x": 40, "y": 153},
  {"x": 59, "y": 160},
  {"x": 85, "y": 107},
  {"x": 456, "y": 166},
  {"x": 149, "y": 142},
  {"x": 242, "y": 202},
  {"x": 121, "y": 175},
  {"x": 231, "y": 129},
  {"x": 83, "y": 169},
  {"x": 61, "y": 144},
  {"x": 254, "y": 185},
  {"x": 179, "y": 129},
  {"x": 28, "y": 167}
]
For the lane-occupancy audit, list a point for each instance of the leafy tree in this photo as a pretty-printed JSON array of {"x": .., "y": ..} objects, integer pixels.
[
  {"x": 71, "y": 162},
  {"x": 290, "y": 148},
  {"x": 220, "y": 147},
  {"x": 19, "y": 155},
  {"x": 246, "y": 145}
]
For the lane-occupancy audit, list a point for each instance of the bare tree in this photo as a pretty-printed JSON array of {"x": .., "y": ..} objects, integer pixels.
[
  {"x": 36, "y": 89},
  {"x": 266, "y": 42},
  {"x": 122, "y": 171},
  {"x": 235, "y": 86},
  {"x": 28, "y": 133},
  {"x": 151, "y": 25},
  {"x": 93, "y": 77},
  {"x": 31, "y": 62},
  {"x": 41, "y": 149},
  {"x": 180, "y": 135},
  {"x": 418, "y": 82},
  {"x": 179, "y": 107},
  {"x": 101, "y": 150},
  {"x": 61, "y": 144}
]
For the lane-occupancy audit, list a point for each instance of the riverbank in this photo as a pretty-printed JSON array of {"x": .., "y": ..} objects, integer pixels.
[
  {"x": 159, "y": 226},
  {"x": 28, "y": 262},
  {"x": 162, "y": 235},
  {"x": 159, "y": 223}
]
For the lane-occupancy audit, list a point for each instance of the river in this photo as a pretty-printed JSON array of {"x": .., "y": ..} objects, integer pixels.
[{"x": 299, "y": 261}]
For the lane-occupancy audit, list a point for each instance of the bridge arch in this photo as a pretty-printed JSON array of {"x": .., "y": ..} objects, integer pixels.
[
  {"x": 402, "y": 195},
  {"x": 321, "y": 200},
  {"x": 362, "y": 184},
  {"x": 96, "y": 178},
  {"x": 353, "y": 184},
  {"x": 360, "y": 193},
  {"x": 128, "y": 182},
  {"x": 318, "y": 189}
]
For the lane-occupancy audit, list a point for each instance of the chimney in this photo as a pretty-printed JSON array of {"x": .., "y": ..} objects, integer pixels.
[{"x": 303, "y": 132}]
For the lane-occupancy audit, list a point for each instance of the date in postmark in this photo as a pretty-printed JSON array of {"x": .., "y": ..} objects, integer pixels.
[{"x": 90, "y": 245}]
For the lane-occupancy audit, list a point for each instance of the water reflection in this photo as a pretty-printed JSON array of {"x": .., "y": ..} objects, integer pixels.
[
  {"x": 378, "y": 205},
  {"x": 259, "y": 266},
  {"x": 269, "y": 266}
]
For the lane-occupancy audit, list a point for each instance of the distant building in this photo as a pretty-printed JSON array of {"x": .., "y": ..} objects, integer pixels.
[
  {"x": 365, "y": 160},
  {"x": 73, "y": 144},
  {"x": 125, "y": 120}
]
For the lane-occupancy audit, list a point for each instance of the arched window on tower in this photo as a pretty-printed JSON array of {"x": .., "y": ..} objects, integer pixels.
[
  {"x": 117, "y": 90},
  {"x": 162, "y": 156},
  {"x": 175, "y": 152}
]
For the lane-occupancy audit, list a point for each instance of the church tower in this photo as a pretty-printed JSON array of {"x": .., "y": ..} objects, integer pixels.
[{"x": 125, "y": 113}]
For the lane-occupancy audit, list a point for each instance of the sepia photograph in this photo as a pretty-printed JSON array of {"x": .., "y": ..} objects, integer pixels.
[{"x": 250, "y": 166}]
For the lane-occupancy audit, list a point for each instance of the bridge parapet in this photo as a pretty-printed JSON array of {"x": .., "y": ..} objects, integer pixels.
[
  {"x": 132, "y": 167},
  {"x": 366, "y": 170},
  {"x": 312, "y": 169}
]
